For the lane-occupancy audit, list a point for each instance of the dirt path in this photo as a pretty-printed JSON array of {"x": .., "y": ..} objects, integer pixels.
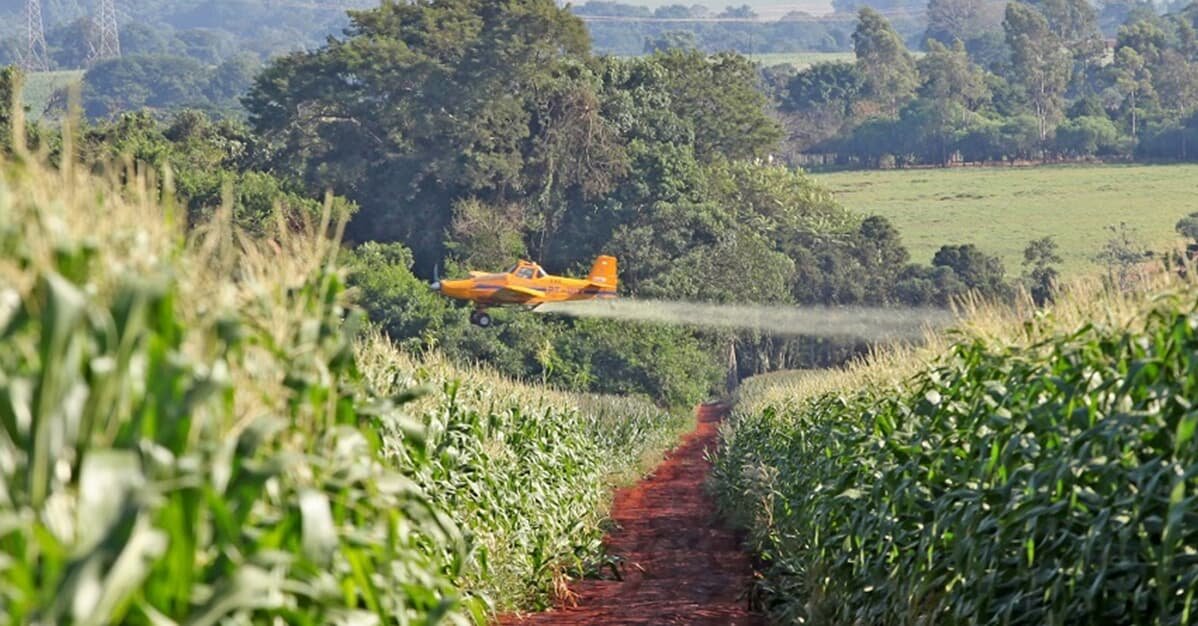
[{"x": 681, "y": 566}]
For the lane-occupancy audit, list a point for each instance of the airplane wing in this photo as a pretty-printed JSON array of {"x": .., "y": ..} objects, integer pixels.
[{"x": 513, "y": 294}]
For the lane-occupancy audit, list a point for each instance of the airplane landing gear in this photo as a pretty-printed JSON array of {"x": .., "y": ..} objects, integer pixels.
[{"x": 480, "y": 318}]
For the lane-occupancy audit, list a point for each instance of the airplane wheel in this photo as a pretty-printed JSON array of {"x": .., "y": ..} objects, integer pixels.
[{"x": 483, "y": 320}]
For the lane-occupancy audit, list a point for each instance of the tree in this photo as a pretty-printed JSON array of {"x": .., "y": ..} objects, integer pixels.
[
  {"x": 1087, "y": 135},
  {"x": 486, "y": 237},
  {"x": 1039, "y": 63},
  {"x": 928, "y": 130},
  {"x": 741, "y": 267},
  {"x": 819, "y": 101},
  {"x": 834, "y": 85},
  {"x": 71, "y": 43},
  {"x": 743, "y": 12},
  {"x": 1075, "y": 22},
  {"x": 10, "y": 87},
  {"x": 962, "y": 20},
  {"x": 664, "y": 361},
  {"x": 232, "y": 79},
  {"x": 1188, "y": 227},
  {"x": 977, "y": 270},
  {"x": 131, "y": 83},
  {"x": 721, "y": 96},
  {"x": 1134, "y": 80},
  {"x": 401, "y": 304},
  {"x": 883, "y": 257},
  {"x": 1123, "y": 255},
  {"x": 947, "y": 75},
  {"x": 1175, "y": 81},
  {"x": 1146, "y": 38},
  {"x": 422, "y": 104},
  {"x": 674, "y": 11},
  {"x": 887, "y": 67},
  {"x": 1039, "y": 274},
  {"x": 671, "y": 40}
]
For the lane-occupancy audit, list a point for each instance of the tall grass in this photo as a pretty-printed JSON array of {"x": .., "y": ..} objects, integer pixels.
[
  {"x": 1032, "y": 468},
  {"x": 196, "y": 428}
]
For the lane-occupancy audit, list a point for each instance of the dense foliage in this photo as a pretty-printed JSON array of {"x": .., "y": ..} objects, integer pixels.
[
  {"x": 160, "y": 83},
  {"x": 198, "y": 432},
  {"x": 1035, "y": 81},
  {"x": 1036, "y": 483}
]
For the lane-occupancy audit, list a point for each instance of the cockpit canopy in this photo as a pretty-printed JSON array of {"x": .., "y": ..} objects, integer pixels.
[{"x": 527, "y": 269}]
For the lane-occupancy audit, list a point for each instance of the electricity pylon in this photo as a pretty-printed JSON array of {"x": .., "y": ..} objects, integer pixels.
[
  {"x": 36, "y": 57},
  {"x": 109, "y": 46}
]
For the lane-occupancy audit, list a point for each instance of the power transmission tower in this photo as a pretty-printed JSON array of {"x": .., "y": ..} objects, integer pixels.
[
  {"x": 110, "y": 38},
  {"x": 36, "y": 58}
]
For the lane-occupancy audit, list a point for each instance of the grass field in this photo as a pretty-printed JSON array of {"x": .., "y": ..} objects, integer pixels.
[
  {"x": 1001, "y": 209},
  {"x": 40, "y": 86},
  {"x": 800, "y": 60}
]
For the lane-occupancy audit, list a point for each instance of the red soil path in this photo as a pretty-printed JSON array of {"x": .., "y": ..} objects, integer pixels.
[{"x": 680, "y": 566}]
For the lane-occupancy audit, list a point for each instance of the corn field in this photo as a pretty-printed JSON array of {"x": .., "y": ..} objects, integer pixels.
[
  {"x": 1048, "y": 475},
  {"x": 195, "y": 428}
]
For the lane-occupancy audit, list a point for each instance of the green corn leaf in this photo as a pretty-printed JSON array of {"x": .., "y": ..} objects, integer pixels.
[{"x": 319, "y": 533}]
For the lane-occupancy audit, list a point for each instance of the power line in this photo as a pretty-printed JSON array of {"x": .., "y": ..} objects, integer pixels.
[{"x": 36, "y": 57}]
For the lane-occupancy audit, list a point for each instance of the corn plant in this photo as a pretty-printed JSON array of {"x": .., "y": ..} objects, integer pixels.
[
  {"x": 130, "y": 494},
  {"x": 195, "y": 428},
  {"x": 526, "y": 472},
  {"x": 1054, "y": 482}
]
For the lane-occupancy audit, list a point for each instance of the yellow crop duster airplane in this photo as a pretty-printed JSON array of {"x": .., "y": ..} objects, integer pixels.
[{"x": 528, "y": 285}]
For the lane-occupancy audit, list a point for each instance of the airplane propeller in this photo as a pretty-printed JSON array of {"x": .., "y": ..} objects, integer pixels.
[{"x": 436, "y": 284}]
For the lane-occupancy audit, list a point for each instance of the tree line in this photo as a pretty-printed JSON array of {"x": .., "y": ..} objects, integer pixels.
[
  {"x": 1046, "y": 85},
  {"x": 640, "y": 29},
  {"x": 977, "y": 23}
]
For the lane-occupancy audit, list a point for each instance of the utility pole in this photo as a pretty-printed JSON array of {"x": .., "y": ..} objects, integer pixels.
[
  {"x": 110, "y": 38},
  {"x": 36, "y": 57}
]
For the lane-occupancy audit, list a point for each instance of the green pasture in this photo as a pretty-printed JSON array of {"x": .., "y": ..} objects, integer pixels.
[{"x": 1000, "y": 209}]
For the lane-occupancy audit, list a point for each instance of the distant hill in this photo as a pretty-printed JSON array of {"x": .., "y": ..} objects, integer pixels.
[{"x": 261, "y": 27}]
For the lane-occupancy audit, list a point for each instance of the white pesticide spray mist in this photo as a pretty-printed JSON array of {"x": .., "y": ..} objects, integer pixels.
[{"x": 868, "y": 323}]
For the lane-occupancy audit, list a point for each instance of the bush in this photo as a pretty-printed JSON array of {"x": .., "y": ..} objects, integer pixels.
[
  {"x": 1088, "y": 136},
  {"x": 666, "y": 362}
]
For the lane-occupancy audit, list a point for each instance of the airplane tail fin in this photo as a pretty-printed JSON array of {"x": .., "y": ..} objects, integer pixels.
[{"x": 603, "y": 273}]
